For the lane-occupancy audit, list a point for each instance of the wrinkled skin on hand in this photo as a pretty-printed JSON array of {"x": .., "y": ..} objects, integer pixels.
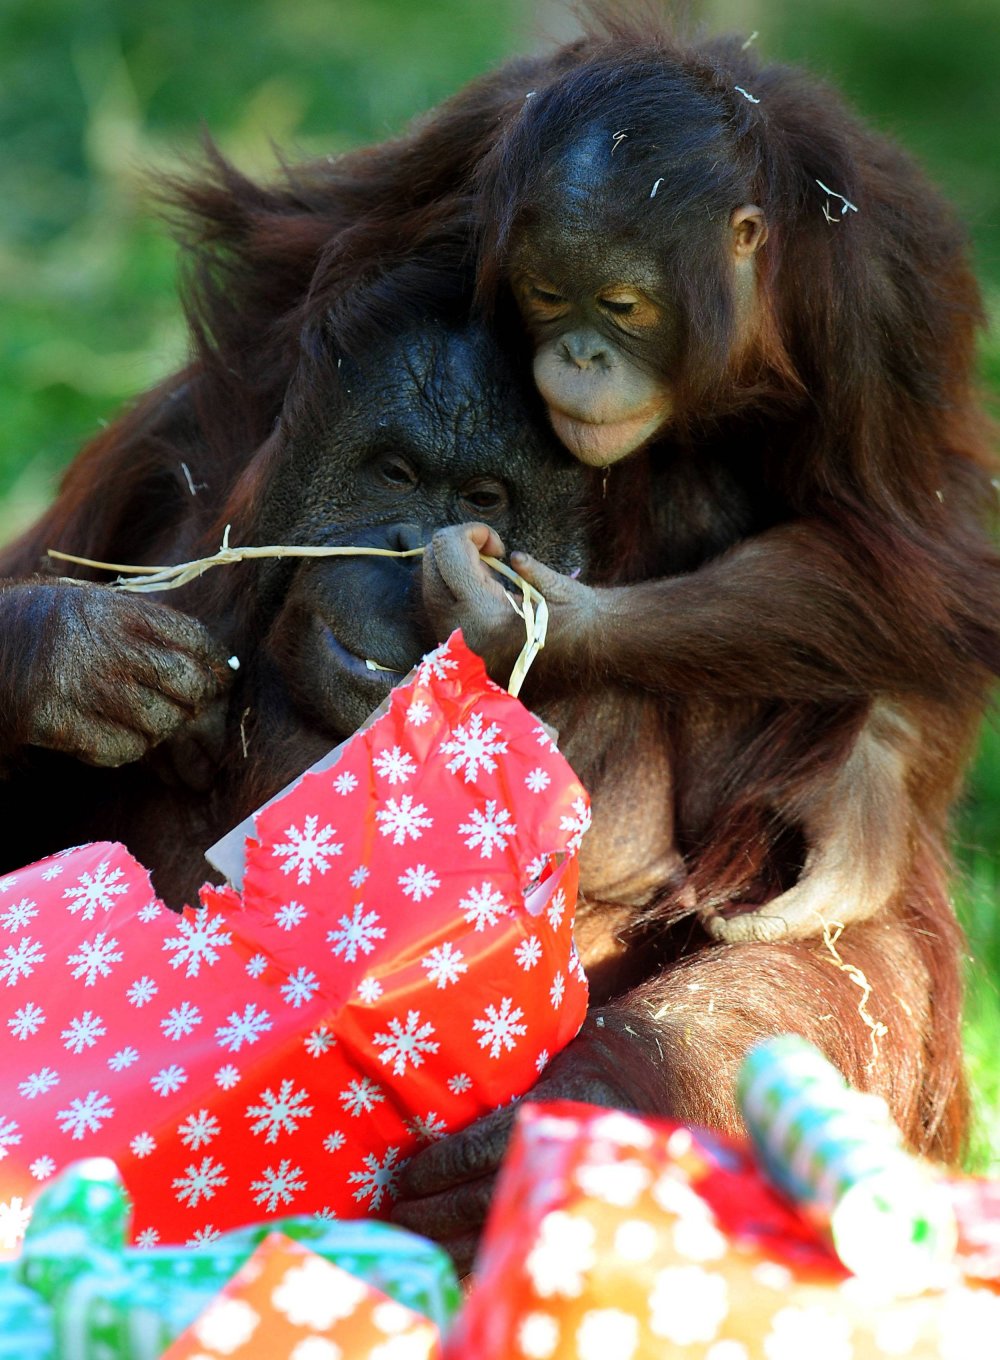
[
  {"x": 461, "y": 591},
  {"x": 445, "y": 1189},
  {"x": 117, "y": 674}
]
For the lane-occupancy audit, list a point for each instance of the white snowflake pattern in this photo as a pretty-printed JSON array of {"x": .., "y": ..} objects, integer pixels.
[
  {"x": 473, "y": 749},
  {"x": 150, "y": 911},
  {"x": 279, "y": 1113},
  {"x": 95, "y": 892},
  {"x": 436, "y": 665},
  {"x": 300, "y": 987},
  {"x": 307, "y": 849},
  {"x": 542, "y": 1061},
  {"x": 200, "y": 1182},
  {"x": 168, "y": 1080},
  {"x": 204, "y": 1237},
  {"x": 418, "y": 882},
  {"x": 147, "y": 1238},
  {"x": 15, "y": 1216},
  {"x": 557, "y": 991},
  {"x": 359, "y": 876},
  {"x": 444, "y": 964},
  {"x": 345, "y": 783},
  {"x": 141, "y": 992},
  {"x": 356, "y": 932},
  {"x": 369, "y": 990},
  {"x": 418, "y": 713},
  {"x": 320, "y": 1041},
  {"x": 227, "y": 1077},
  {"x": 256, "y": 964},
  {"x": 488, "y": 830},
  {"x": 290, "y": 915},
  {"x": 42, "y": 1168},
  {"x": 123, "y": 1058},
  {"x": 528, "y": 953},
  {"x": 428, "y": 1127},
  {"x": 198, "y": 1129},
  {"x": 500, "y": 1028},
  {"x": 360, "y": 1096},
  {"x": 460, "y": 1083},
  {"x": 396, "y": 765},
  {"x": 544, "y": 738},
  {"x": 556, "y": 909},
  {"x": 38, "y": 1083},
  {"x": 333, "y": 1142},
  {"x": 537, "y": 780},
  {"x": 8, "y": 882},
  {"x": 407, "y": 1044},
  {"x": 483, "y": 906},
  {"x": 95, "y": 959},
  {"x": 199, "y": 940},
  {"x": 181, "y": 1020},
  {"x": 279, "y": 1185},
  {"x": 143, "y": 1145},
  {"x": 402, "y": 819},
  {"x": 535, "y": 869},
  {"x": 19, "y": 914},
  {"x": 83, "y": 1032},
  {"x": 378, "y": 1179},
  {"x": 578, "y": 824},
  {"x": 84, "y": 1116},
  {"x": 243, "y": 1029},
  {"x": 26, "y": 1021},
  {"x": 21, "y": 960},
  {"x": 9, "y": 1136}
]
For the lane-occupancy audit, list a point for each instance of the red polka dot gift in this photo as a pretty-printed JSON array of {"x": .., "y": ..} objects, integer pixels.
[
  {"x": 618, "y": 1238},
  {"x": 400, "y": 961}
]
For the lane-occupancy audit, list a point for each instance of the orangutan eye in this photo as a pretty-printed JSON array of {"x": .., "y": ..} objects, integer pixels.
[
  {"x": 486, "y": 498},
  {"x": 548, "y": 297},
  {"x": 395, "y": 473}
]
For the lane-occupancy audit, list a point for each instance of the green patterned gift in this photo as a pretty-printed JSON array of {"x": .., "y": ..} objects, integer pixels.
[
  {"x": 25, "y": 1320},
  {"x": 90, "y": 1297}
]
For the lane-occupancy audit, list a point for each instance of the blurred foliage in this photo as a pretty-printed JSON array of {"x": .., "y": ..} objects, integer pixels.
[{"x": 93, "y": 96}]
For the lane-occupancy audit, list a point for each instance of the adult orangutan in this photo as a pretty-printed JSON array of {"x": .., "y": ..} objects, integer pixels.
[{"x": 792, "y": 596}]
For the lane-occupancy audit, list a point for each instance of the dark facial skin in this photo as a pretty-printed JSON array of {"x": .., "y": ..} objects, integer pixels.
[
  {"x": 424, "y": 434},
  {"x": 605, "y": 331}
]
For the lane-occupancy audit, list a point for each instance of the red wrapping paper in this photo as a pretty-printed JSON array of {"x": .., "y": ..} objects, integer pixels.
[
  {"x": 289, "y": 1301},
  {"x": 399, "y": 963},
  {"x": 640, "y": 1239}
]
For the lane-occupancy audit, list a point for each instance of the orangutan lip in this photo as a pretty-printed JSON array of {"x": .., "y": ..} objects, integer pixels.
[
  {"x": 355, "y": 666},
  {"x": 601, "y": 442}
]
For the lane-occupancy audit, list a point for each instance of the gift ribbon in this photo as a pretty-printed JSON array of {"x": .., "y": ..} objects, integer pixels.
[{"x": 533, "y": 609}]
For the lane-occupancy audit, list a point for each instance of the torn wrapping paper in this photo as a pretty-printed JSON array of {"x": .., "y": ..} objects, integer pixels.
[
  {"x": 612, "y": 1235},
  {"x": 77, "y": 1292},
  {"x": 287, "y": 1301},
  {"x": 399, "y": 963}
]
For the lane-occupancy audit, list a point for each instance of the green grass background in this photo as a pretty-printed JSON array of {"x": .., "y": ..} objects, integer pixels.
[{"x": 93, "y": 95}]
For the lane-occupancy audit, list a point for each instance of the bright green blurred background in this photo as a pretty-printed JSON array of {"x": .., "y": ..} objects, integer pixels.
[{"x": 94, "y": 94}]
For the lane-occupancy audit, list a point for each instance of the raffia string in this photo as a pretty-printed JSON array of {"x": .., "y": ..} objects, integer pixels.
[{"x": 146, "y": 579}]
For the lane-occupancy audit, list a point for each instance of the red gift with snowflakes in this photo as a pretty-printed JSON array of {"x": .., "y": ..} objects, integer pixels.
[
  {"x": 614, "y": 1235},
  {"x": 289, "y": 1301},
  {"x": 399, "y": 962}
]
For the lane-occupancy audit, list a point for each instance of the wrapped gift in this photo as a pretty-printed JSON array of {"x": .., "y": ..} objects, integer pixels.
[
  {"x": 399, "y": 963},
  {"x": 612, "y": 1235},
  {"x": 287, "y": 1301},
  {"x": 79, "y": 1293}
]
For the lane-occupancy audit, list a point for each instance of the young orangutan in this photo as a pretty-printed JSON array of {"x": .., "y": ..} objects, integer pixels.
[{"x": 800, "y": 527}]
